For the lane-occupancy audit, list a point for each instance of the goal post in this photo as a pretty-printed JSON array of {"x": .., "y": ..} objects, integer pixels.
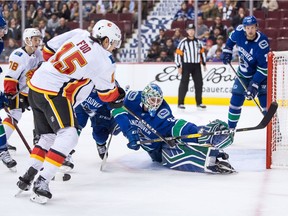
[{"x": 277, "y": 129}]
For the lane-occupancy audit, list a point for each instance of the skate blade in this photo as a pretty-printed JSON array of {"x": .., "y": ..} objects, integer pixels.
[
  {"x": 18, "y": 193},
  {"x": 59, "y": 176},
  {"x": 13, "y": 169},
  {"x": 38, "y": 199},
  {"x": 65, "y": 169}
]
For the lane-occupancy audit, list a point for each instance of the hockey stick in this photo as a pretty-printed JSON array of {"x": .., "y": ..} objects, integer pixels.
[
  {"x": 107, "y": 148},
  {"x": 245, "y": 88},
  {"x": 161, "y": 138},
  {"x": 264, "y": 122},
  {"x": 20, "y": 90},
  {"x": 18, "y": 130}
]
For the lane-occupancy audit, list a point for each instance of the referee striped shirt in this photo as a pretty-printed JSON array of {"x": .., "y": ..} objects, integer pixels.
[{"x": 190, "y": 51}]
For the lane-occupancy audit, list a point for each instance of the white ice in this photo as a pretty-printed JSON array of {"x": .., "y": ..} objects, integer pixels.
[{"x": 132, "y": 185}]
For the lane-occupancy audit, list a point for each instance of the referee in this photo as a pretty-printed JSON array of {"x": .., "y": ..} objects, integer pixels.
[{"x": 188, "y": 58}]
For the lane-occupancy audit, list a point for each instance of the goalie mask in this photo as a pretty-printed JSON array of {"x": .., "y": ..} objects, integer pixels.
[{"x": 152, "y": 98}]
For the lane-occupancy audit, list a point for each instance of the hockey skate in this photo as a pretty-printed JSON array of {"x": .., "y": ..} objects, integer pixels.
[
  {"x": 8, "y": 161},
  {"x": 41, "y": 192},
  {"x": 101, "y": 150},
  {"x": 26, "y": 180},
  {"x": 11, "y": 148},
  {"x": 68, "y": 164}
]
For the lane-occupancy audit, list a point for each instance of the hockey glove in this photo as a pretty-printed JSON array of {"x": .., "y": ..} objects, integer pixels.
[
  {"x": 252, "y": 90},
  {"x": 11, "y": 103},
  {"x": 133, "y": 137},
  {"x": 226, "y": 55},
  {"x": 3, "y": 100},
  {"x": 119, "y": 101}
]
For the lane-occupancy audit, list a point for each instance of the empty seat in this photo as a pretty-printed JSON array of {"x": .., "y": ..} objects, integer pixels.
[
  {"x": 96, "y": 17},
  {"x": 259, "y": 14},
  {"x": 273, "y": 14},
  {"x": 284, "y": 13},
  {"x": 178, "y": 24},
  {"x": 283, "y": 32},
  {"x": 282, "y": 44},
  {"x": 284, "y": 22},
  {"x": 270, "y": 32},
  {"x": 125, "y": 16},
  {"x": 273, "y": 44},
  {"x": 272, "y": 23},
  {"x": 209, "y": 23},
  {"x": 111, "y": 16},
  {"x": 73, "y": 25},
  {"x": 261, "y": 23},
  {"x": 169, "y": 33}
]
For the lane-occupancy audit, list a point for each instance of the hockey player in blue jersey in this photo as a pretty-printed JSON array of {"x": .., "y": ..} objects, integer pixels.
[
  {"x": 4, "y": 153},
  {"x": 253, "y": 49},
  {"x": 153, "y": 109},
  {"x": 102, "y": 123}
]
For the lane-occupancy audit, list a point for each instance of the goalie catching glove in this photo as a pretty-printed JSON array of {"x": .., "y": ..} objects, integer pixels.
[{"x": 218, "y": 141}]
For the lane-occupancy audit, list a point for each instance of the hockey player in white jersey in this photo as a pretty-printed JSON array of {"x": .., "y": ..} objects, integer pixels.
[
  {"x": 80, "y": 57},
  {"x": 22, "y": 63}
]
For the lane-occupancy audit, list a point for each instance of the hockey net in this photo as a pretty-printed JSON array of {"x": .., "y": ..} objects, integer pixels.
[{"x": 277, "y": 130}]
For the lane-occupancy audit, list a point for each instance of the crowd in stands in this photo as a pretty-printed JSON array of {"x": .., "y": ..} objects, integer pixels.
[
  {"x": 216, "y": 19},
  {"x": 58, "y": 16}
]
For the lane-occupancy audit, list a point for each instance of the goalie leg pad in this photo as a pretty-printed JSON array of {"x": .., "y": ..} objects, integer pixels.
[{"x": 218, "y": 141}]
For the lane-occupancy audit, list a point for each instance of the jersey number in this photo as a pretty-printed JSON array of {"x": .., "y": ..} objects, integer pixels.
[
  {"x": 13, "y": 65},
  {"x": 67, "y": 65}
]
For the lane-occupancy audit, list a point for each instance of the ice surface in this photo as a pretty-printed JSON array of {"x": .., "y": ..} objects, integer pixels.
[{"x": 131, "y": 185}]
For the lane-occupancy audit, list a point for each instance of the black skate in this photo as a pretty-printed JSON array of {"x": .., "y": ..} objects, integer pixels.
[
  {"x": 26, "y": 180},
  {"x": 8, "y": 161},
  {"x": 68, "y": 164},
  {"x": 101, "y": 150},
  {"x": 11, "y": 148},
  {"x": 222, "y": 167},
  {"x": 41, "y": 191}
]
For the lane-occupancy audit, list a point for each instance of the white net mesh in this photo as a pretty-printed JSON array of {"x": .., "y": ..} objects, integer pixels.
[{"x": 279, "y": 133}]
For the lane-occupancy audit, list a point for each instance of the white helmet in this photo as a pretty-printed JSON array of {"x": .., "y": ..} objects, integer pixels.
[
  {"x": 29, "y": 33},
  {"x": 105, "y": 28}
]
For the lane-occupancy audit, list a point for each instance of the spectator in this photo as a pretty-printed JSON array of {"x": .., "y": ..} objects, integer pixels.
[
  {"x": 12, "y": 45},
  {"x": 238, "y": 19},
  {"x": 14, "y": 30},
  {"x": 170, "y": 48},
  {"x": 15, "y": 12},
  {"x": 104, "y": 6},
  {"x": 219, "y": 44},
  {"x": 215, "y": 34},
  {"x": 7, "y": 15},
  {"x": 210, "y": 10},
  {"x": 218, "y": 24},
  {"x": 39, "y": 16},
  {"x": 65, "y": 12},
  {"x": 182, "y": 13},
  {"x": 91, "y": 25},
  {"x": 48, "y": 10},
  {"x": 42, "y": 27},
  {"x": 163, "y": 57},
  {"x": 118, "y": 6},
  {"x": 217, "y": 57},
  {"x": 269, "y": 5},
  {"x": 62, "y": 28},
  {"x": 177, "y": 37},
  {"x": 53, "y": 22},
  {"x": 28, "y": 19},
  {"x": 89, "y": 7},
  {"x": 202, "y": 28},
  {"x": 47, "y": 37},
  {"x": 160, "y": 38},
  {"x": 75, "y": 12},
  {"x": 228, "y": 10},
  {"x": 153, "y": 52}
]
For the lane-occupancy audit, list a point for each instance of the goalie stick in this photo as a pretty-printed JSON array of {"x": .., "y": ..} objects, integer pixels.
[
  {"x": 264, "y": 122},
  {"x": 161, "y": 138},
  {"x": 245, "y": 88}
]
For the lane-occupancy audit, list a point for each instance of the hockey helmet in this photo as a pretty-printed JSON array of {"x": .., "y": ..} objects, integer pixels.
[
  {"x": 3, "y": 25},
  {"x": 249, "y": 20},
  {"x": 152, "y": 98},
  {"x": 29, "y": 33},
  {"x": 105, "y": 28}
]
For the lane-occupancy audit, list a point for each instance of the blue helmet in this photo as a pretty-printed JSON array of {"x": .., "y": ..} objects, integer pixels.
[
  {"x": 152, "y": 98},
  {"x": 3, "y": 25},
  {"x": 249, "y": 20}
]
